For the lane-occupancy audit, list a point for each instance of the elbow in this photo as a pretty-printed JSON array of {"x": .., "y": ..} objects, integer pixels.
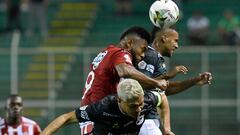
[{"x": 124, "y": 74}]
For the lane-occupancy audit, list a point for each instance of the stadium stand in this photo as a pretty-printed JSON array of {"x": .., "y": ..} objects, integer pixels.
[{"x": 83, "y": 24}]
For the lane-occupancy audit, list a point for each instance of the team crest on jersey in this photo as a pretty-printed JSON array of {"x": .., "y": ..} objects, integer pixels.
[
  {"x": 140, "y": 120},
  {"x": 98, "y": 59},
  {"x": 142, "y": 65},
  {"x": 115, "y": 125},
  {"x": 163, "y": 65}
]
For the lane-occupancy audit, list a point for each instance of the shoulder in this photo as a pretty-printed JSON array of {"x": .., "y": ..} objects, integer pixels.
[
  {"x": 151, "y": 52},
  {"x": 28, "y": 121},
  {"x": 97, "y": 110},
  {"x": 108, "y": 102},
  {"x": 102, "y": 105},
  {"x": 1, "y": 121},
  {"x": 116, "y": 51}
]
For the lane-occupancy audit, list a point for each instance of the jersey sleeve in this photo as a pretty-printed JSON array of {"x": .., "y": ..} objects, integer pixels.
[
  {"x": 83, "y": 113},
  {"x": 122, "y": 57},
  {"x": 37, "y": 129},
  {"x": 153, "y": 97},
  {"x": 92, "y": 112}
]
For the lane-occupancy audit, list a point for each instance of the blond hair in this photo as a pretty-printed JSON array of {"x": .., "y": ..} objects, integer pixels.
[{"x": 129, "y": 89}]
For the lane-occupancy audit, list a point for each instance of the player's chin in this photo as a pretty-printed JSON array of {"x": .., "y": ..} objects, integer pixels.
[{"x": 171, "y": 53}]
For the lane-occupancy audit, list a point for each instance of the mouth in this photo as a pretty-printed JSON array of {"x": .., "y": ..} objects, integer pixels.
[{"x": 172, "y": 51}]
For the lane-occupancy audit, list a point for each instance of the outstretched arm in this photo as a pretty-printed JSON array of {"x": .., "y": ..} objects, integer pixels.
[
  {"x": 127, "y": 71},
  {"x": 179, "y": 86},
  {"x": 59, "y": 122}
]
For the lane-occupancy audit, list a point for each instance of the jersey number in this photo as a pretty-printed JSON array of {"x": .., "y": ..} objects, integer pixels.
[{"x": 88, "y": 83}]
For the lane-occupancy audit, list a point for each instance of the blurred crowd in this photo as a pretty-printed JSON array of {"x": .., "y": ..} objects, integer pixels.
[
  {"x": 228, "y": 28},
  {"x": 36, "y": 16}
]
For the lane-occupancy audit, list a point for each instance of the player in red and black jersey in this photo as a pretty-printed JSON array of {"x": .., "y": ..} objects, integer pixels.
[{"x": 117, "y": 62}]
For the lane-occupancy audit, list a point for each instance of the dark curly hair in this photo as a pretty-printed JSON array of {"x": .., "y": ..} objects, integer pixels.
[{"x": 139, "y": 31}]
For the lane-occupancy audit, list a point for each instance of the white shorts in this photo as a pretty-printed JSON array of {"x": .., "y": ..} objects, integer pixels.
[{"x": 150, "y": 127}]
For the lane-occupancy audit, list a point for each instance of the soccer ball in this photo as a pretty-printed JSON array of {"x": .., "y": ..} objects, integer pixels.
[{"x": 164, "y": 13}]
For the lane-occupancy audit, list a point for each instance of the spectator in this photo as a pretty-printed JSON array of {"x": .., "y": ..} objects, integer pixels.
[
  {"x": 198, "y": 28},
  {"x": 123, "y": 7},
  {"x": 14, "y": 123},
  {"x": 37, "y": 14},
  {"x": 228, "y": 27},
  {"x": 13, "y": 15}
]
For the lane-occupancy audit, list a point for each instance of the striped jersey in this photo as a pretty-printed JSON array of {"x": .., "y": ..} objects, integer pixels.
[{"x": 26, "y": 127}]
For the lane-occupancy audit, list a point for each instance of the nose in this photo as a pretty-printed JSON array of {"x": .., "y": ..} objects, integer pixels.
[
  {"x": 142, "y": 56},
  {"x": 176, "y": 46}
]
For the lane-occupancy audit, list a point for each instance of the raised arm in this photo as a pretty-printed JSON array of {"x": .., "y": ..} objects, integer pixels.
[
  {"x": 127, "y": 71},
  {"x": 60, "y": 122},
  {"x": 179, "y": 86}
]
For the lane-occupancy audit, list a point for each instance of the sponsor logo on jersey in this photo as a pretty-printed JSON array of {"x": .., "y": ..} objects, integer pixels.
[
  {"x": 84, "y": 115},
  {"x": 97, "y": 60},
  {"x": 150, "y": 68},
  {"x": 109, "y": 115}
]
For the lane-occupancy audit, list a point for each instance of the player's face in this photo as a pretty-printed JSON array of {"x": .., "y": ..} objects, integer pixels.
[
  {"x": 170, "y": 44},
  {"x": 14, "y": 107},
  {"x": 132, "y": 108},
  {"x": 138, "y": 49}
]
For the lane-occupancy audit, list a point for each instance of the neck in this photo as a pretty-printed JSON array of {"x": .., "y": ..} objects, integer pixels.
[
  {"x": 155, "y": 45},
  {"x": 13, "y": 121}
]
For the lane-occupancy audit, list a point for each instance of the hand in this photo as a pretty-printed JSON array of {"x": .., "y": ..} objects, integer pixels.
[
  {"x": 204, "y": 78},
  {"x": 178, "y": 69},
  {"x": 168, "y": 132},
  {"x": 163, "y": 84}
]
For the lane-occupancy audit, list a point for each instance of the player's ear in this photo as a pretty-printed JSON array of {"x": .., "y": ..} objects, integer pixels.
[
  {"x": 129, "y": 43},
  {"x": 164, "y": 38}
]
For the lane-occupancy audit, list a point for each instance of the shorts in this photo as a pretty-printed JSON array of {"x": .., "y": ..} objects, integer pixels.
[{"x": 150, "y": 127}]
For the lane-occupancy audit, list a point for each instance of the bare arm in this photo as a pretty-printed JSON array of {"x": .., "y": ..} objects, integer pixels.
[
  {"x": 164, "y": 112},
  {"x": 59, "y": 122},
  {"x": 179, "y": 86},
  {"x": 128, "y": 71}
]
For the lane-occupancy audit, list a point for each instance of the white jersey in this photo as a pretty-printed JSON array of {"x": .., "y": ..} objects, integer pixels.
[{"x": 26, "y": 127}]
